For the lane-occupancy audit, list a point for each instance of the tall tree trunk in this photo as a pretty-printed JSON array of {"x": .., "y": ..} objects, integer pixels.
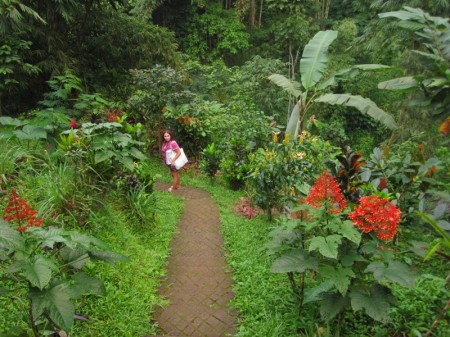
[
  {"x": 252, "y": 14},
  {"x": 260, "y": 12}
]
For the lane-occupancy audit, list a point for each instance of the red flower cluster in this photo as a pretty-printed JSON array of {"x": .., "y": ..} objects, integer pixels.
[
  {"x": 326, "y": 189},
  {"x": 378, "y": 215},
  {"x": 18, "y": 209},
  {"x": 73, "y": 124}
]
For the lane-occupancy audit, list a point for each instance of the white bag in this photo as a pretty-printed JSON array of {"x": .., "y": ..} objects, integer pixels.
[{"x": 181, "y": 160}]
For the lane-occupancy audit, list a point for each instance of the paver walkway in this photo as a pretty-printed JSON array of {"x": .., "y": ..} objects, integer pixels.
[{"x": 198, "y": 284}]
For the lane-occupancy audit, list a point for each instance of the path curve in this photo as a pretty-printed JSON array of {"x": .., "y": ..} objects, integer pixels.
[{"x": 198, "y": 283}]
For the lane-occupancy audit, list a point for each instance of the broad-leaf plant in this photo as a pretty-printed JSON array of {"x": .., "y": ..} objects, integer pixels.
[{"x": 313, "y": 88}]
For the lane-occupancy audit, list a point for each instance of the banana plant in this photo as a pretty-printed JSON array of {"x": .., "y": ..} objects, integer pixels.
[
  {"x": 434, "y": 35},
  {"x": 312, "y": 89}
]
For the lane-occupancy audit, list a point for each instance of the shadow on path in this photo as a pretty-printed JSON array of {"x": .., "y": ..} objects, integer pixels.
[{"x": 198, "y": 284}]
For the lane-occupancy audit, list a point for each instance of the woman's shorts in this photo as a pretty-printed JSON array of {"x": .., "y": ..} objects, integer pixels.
[{"x": 172, "y": 168}]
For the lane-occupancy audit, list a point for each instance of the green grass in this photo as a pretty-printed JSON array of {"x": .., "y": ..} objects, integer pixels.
[{"x": 131, "y": 287}]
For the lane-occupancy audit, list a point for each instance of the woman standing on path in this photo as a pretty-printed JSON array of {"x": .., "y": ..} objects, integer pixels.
[{"x": 170, "y": 150}]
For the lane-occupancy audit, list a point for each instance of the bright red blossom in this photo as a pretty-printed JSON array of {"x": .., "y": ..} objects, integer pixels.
[
  {"x": 73, "y": 124},
  {"x": 378, "y": 215},
  {"x": 19, "y": 211},
  {"x": 326, "y": 189}
]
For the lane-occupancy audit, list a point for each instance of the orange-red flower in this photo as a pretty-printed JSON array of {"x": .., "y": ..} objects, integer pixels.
[
  {"x": 19, "y": 211},
  {"x": 378, "y": 215},
  {"x": 326, "y": 190}
]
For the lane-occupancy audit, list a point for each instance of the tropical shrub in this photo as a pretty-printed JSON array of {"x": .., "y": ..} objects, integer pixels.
[
  {"x": 103, "y": 146},
  {"x": 404, "y": 171},
  {"x": 341, "y": 258},
  {"x": 43, "y": 267},
  {"x": 210, "y": 160},
  {"x": 235, "y": 163}
]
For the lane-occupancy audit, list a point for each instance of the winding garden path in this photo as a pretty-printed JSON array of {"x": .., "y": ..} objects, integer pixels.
[{"x": 198, "y": 284}]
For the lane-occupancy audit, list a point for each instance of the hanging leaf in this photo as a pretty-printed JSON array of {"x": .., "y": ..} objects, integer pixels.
[
  {"x": 400, "y": 83},
  {"x": 332, "y": 304},
  {"x": 295, "y": 260},
  {"x": 375, "y": 304},
  {"x": 291, "y": 87},
  {"x": 364, "y": 105}
]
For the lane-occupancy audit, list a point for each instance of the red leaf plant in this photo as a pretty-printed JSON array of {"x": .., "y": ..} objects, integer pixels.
[
  {"x": 20, "y": 212},
  {"x": 326, "y": 190},
  {"x": 246, "y": 208},
  {"x": 375, "y": 214}
]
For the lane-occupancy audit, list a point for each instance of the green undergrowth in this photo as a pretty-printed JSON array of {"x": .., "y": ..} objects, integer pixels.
[
  {"x": 131, "y": 286},
  {"x": 265, "y": 303}
]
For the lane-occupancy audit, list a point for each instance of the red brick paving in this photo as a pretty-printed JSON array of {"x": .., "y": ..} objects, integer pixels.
[{"x": 198, "y": 283}]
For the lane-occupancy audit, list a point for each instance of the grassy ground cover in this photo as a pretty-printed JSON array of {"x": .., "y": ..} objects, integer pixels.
[
  {"x": 267, "y": 307},
  {"x": 131, "y": 287}
]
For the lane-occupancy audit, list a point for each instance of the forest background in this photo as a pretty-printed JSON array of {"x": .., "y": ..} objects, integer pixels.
[{"x": 87, "y": 86}]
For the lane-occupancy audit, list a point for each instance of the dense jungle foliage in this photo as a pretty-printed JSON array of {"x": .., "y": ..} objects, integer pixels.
[{"x": 322, "y": 126}]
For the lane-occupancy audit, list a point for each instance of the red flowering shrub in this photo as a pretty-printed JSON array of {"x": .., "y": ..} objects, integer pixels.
[
  {"x": 378, "y": 215},
  {"x": 326, "y": 189},
  {"x": 20, "y": 212}
]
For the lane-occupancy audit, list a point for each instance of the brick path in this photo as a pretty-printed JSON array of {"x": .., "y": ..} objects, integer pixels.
[{"x": 198, "y": 284}]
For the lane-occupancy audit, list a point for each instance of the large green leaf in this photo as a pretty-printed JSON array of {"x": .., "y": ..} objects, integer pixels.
[
  {"x": 327, "y": 246},
  {"x": 103, "y": 155},
  {"x": 49, "y": 236},
  {"x": 30, "y": 132},
  {"x": 108, "y": 256},
  {"x": 77, "y": 258},
  {"x": 414, "y": 14},
  {"x": 332, "y": 304},
  {"x": 315, "y": 57},
  {"x": 85, "y": 284},
  {"x": 400, "y": 83},
  {"x": 294, "y": 260},
  {"x": 290, "y": 86},
  {"x": 294, "y": 121},
  {"x": 37, "y": 272},
  {"x": 341, "y": 277},
  {"x": 314, "y": 294},
  {"x": 396, "y": 271},
  {"x": 349, "y": 231},
  {"x": 11, "y": 121},
  {"x": 364, "y": 105},
  {"x": 10, "y": 238},
  {"x": 56, "y": 302},
  {"x": 376, "y": 303},
  {"x": 401, "y": 273},
  {"x": 137, "y": 154}
]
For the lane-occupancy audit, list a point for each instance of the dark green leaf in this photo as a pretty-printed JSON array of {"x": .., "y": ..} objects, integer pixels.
[{"x": 295, "y": 260}]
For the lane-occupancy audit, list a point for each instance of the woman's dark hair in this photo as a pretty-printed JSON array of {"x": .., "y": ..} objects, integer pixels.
[{"x": 169, "y": 132}]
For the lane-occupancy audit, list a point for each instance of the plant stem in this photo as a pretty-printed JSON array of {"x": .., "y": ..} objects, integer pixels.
[
  {"x": 436, "y": 321},
  {"x": 33, "y": 325}
]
